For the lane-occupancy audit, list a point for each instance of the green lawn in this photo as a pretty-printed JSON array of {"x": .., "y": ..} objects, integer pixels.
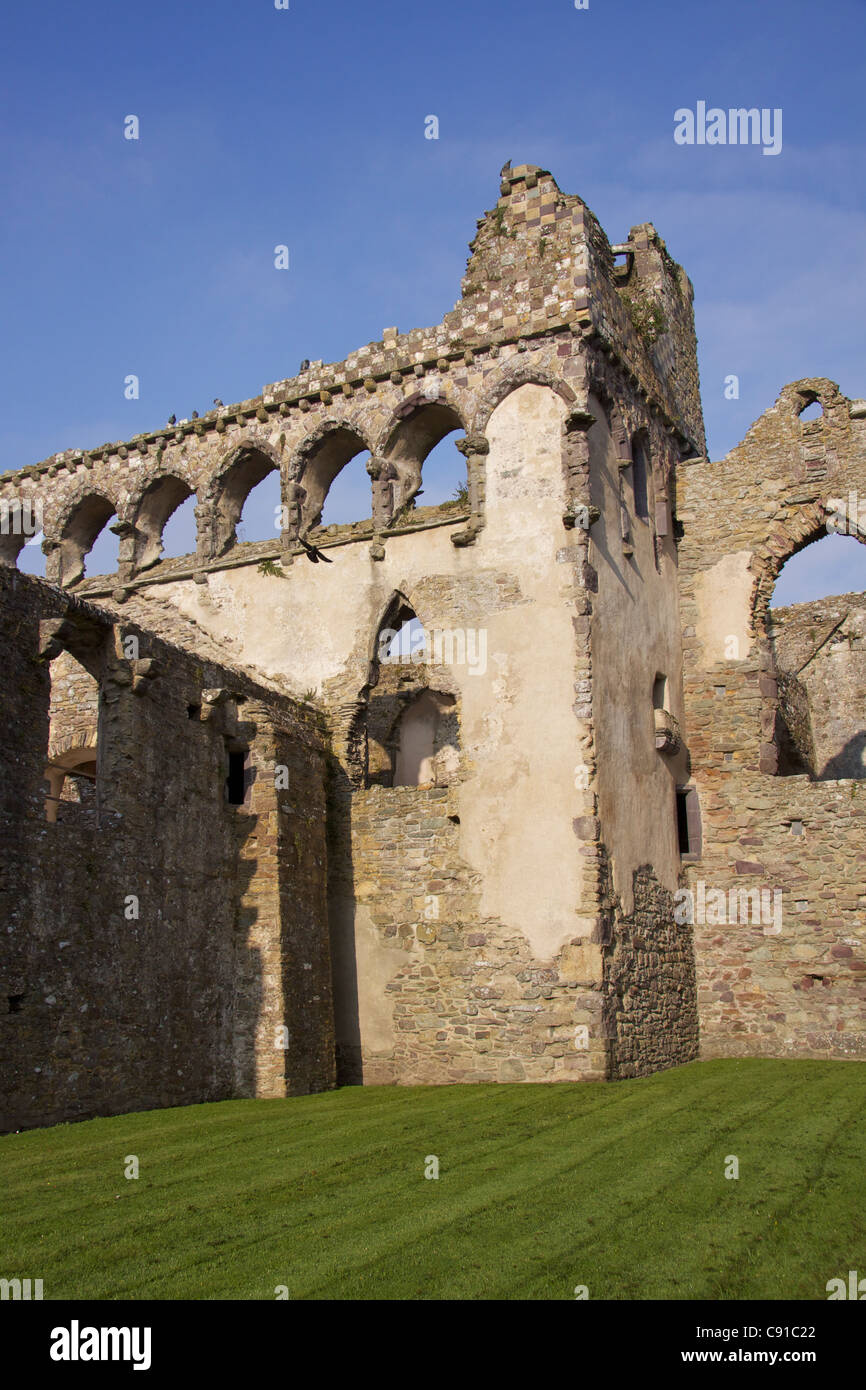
[{"x": 541, "y": 1188}]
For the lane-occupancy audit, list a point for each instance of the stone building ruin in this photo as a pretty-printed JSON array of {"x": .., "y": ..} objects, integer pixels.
[{"x": 248, "y": 854}]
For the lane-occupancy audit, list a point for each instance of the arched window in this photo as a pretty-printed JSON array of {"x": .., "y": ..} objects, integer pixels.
[
  {"x": 259, "y": 518},
  {"x": 348, "y": 497},
  {"x": 333, "y": 493},
  {"x": 179, "y": 532}
]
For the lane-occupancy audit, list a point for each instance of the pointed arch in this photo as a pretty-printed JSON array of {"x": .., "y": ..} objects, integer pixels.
[
  {"x": 806, "y": 525},
  {"x": 398, "y": 611},
  {"x": 20, "y": 523}
]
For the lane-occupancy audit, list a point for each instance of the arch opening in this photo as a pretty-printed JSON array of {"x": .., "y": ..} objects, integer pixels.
[
  {"x": 159, "y": 505},
  {"x": 640, "y": 473},
  {"x": 418, "y": 463},
  {"x": 249, "y": 468},
  {"x": 323, "y": 463},
  {"x": 816, "y": 631},
  {"x": 347, "y": 499},
  {"x": 90, "y": 534},
  {"x": 71, "y": 776},
  {"x": 179, "y": 532}
]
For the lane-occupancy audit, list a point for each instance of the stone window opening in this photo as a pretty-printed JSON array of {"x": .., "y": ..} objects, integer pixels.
[
  {"x": 334, "y": 483},
  {"x": 92, "y": 534},
  {"x": 72, "y": 756},
  {"x": 666, "y": 728},
  {"x": 237, "y": 778},
  {"x": 247, "y": 499},
  {"x": 813, "y": 410},
  {"x": 348, "y": 498},
  {"x": 640, "y": 469},
  {"x": 72, "y": 784},
  {"x": 688, "y": 822},
  {"x": 426, "y": 741}
]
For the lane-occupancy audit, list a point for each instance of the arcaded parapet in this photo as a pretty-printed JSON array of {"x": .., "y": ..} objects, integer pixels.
[
  {"x": 158, "y": 938},
  {"x": 541, "y": 290},
  {"x": 779, "y": 915}
]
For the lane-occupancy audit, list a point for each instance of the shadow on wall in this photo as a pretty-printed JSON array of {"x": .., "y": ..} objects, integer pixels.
[
  {"x": 342, "y": 926},
  {"x": 849, "y": 762}
]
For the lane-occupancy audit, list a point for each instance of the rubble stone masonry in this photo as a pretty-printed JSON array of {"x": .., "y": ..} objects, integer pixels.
[{"x": 466, "y": 868}]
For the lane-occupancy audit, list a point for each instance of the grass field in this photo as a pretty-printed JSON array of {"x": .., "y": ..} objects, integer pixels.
[{"x": 541, "y": 1188}]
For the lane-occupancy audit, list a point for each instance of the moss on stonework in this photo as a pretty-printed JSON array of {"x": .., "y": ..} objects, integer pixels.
[{"x": 646, "y": 315}]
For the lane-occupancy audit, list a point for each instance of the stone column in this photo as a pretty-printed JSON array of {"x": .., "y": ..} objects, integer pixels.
[
  {"x": 53, "y": 557},
  {"x": 204, "y": 537},
  {"x": 294, "y": 496},
  {"x": 382, "y": 477},
  {"x": 125, "y": 551},
  {"x": 474, "y": 448}
]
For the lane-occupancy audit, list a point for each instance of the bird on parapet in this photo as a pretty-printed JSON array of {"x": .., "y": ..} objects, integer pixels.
[{"x": 172, "y": 419}]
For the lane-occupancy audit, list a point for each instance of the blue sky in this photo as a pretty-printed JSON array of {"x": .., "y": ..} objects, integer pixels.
[{"x": 306, "y": 127}]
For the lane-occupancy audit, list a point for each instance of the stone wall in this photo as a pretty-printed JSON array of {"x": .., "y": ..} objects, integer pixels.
[
  {"x": 517, "y": 916},
  {"x": 149, "y": 955},
  {"x": 792, "y": 982},
  {"x": 433, "y": 988},
  {"x": 650, "y": 992}
]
